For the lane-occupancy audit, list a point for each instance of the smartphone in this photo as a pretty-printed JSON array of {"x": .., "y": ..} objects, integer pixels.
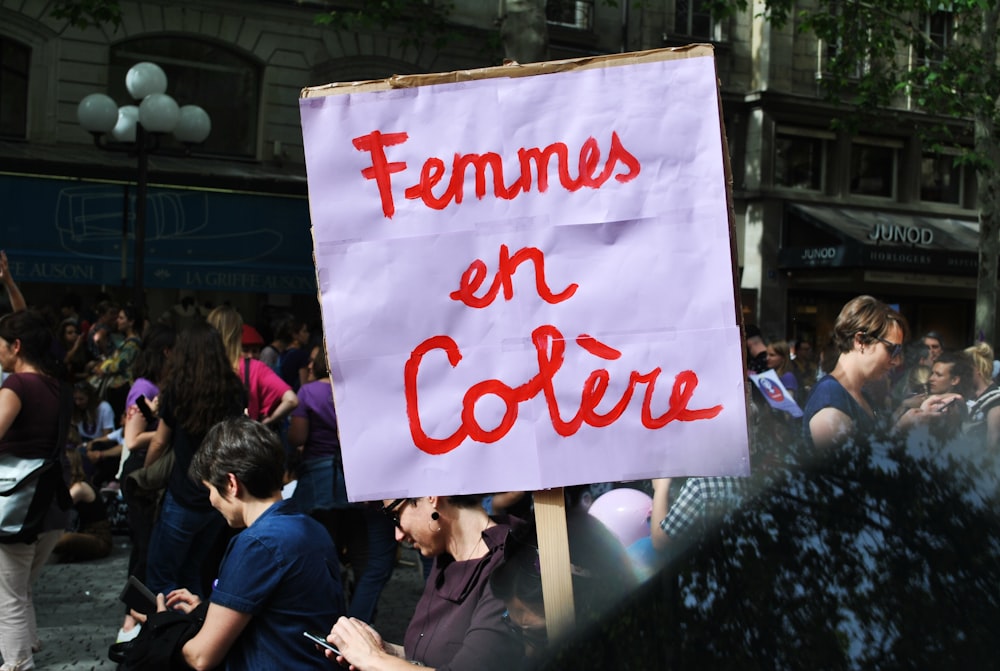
[
  {"x": 947, "y": 405},
  {"x": 319, "y": 639},
  {"x": 138, "y": 597},
  {"x": 144, "y": 408}
]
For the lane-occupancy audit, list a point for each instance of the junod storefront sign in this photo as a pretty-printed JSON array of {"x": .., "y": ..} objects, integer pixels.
[
  {"x": 819, "y": 253},
  {"x": 910, "y": 235}
]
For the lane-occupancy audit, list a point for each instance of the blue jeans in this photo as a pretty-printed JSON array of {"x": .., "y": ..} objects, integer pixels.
[
  {"x": 181, "y": 540},
  {"x": 378, "y": 562}
]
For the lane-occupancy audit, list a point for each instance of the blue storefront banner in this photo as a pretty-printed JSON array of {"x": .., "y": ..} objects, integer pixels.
[{"x": 78, "y": 232}]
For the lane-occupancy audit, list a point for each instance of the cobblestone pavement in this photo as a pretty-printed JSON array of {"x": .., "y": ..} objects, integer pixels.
[{"x": 79, "y": 613}]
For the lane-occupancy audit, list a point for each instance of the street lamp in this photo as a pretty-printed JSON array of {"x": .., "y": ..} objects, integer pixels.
[{"x": 137, "y": 130}]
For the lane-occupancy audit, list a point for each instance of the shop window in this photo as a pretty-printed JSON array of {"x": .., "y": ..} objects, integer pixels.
[
  {"x": 799, "y": 160},
  {"x": 693, "y": 18},
  {"x": 15, "y": 59},
  {"x": 571, "y": 13},
  {"x": 225, "y": 83},
  {"x": 873, "y": 170},
  {"x": 942, "y": 179}
]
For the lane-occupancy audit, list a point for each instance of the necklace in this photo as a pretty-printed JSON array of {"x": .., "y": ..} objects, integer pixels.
[{"x": 473, "y": 550}]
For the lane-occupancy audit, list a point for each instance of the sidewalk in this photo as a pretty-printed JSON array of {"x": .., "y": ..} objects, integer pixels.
[{"x": 79, "y": 613}]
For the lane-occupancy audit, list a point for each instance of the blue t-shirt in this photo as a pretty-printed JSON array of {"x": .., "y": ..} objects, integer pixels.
[
  {"x": 283, "y": 570},
  {"x": 829, "y": 393}
]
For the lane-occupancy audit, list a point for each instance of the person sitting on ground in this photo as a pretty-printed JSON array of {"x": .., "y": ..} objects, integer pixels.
[
  {"x": 600, "y": 573},
  {"x": 114, "y": 373},
  {"x": 91, "y": 534},
  {"x": 279, "y": 577},
  {"x": 457, "y": 622}
]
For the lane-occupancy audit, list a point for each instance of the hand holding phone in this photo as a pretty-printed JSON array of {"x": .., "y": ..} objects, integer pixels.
[
  {"x": 144, "y": 408},
  {"x": 320, "y": 640},
  {"x": 138, "y": 597},
  {"x": 944, "y": 407}
]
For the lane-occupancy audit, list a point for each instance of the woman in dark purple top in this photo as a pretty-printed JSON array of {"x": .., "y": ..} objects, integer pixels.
[
  {"x": 30, "y": 409},
  {"x": 457, "y": 623}
]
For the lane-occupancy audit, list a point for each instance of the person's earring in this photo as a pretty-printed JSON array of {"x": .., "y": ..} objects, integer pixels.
[{"x": 435, "y": 516}]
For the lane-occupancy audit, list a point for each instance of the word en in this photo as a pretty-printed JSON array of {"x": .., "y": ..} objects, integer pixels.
[{"x": 475, "y": 274}]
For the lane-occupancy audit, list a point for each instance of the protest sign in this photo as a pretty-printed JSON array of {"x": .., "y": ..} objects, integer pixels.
[
  {"x": 777, "y": 395},
  {"x": 526, "y": 275}
]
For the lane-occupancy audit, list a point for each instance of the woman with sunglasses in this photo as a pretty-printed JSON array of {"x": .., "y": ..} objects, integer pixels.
[
  {"x": 600, "y": 570},
  {"x": 869, "y": 335},
  {"x": 457, "y": 621}
]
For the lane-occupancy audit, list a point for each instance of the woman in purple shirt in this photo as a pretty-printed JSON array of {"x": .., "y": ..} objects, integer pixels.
[
  {"x": 321, "y": 493},
  {"x": 457, "y": 623}
]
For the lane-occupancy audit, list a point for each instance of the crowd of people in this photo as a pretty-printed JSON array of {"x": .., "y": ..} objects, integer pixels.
[
  {"x": 872, "y": 381},
  {"x": 202, "y": 424}
]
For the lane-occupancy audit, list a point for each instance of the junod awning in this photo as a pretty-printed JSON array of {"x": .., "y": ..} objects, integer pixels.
[{"x": 862, "y": 238}]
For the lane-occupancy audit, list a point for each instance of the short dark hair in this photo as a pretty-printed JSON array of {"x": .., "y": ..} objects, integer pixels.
[
  {"x": 867, "y": 316},
  {"x": 961, "y": 367},
  {"x": 935, "y": 336},
  {"x": 247, "y": 449},
  {"x": 601, "y": 569},
  {"x": 33, "y": 331}
]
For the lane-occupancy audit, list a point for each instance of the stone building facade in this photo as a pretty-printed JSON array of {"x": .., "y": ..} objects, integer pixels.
[{"x": 821, "y": 215}]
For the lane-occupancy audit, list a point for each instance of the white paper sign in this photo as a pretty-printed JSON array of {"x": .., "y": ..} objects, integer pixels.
[{"x": 528, "y": 282}]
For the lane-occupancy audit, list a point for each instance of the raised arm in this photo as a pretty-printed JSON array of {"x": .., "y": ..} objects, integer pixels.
[{"x": 17, "y": 302}]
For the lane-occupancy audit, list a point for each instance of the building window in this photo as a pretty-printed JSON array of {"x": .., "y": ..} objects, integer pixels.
[
  {"x": 939, "y": 29},
  {"x": 571, "y": 13},
  {"x": 694, "y": 18},
  {"x": 846, "y": 55},
  {"x": 942, "y": 179},
  {"x": 15, "y": 59},
  {"x": 799, "y": 159},
  {"x": 223, "y": 82},
  {"x": 873, "y": 169}
]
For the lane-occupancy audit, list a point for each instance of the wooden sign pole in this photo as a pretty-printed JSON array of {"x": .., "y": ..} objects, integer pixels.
[{"x": 553, "y": 552}]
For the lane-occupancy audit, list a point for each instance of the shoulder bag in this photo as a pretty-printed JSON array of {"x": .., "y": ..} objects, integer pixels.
[{"x": 28, "y": 486}]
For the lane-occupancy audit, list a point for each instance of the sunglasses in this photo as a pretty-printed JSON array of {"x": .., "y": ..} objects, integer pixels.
[
  {"x": 538, "y": 638},
  {"x": 392, "y": 511},
  {"x": 894, "y": 349}
]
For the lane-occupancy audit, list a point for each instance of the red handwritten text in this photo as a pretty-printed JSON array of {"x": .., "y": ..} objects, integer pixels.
[
  {"x": 472, "y": 279},
  {"x": 532, "y": 164},
  {"x": 550, "y": 347}
]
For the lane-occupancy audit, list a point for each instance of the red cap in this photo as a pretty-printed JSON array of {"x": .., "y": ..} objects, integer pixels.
[{"x": 251, "y": 336}]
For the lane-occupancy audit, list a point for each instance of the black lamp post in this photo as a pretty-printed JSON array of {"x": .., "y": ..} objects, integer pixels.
[{"x": 137, "y": 130}]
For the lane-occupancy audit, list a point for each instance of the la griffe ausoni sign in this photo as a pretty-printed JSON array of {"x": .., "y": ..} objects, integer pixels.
[{"x": 527, "y": 280}]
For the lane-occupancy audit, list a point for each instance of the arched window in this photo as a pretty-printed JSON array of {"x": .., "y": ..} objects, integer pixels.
[
  {"x": 223, "y": 82},
  {"x": 15, "y": 58}
]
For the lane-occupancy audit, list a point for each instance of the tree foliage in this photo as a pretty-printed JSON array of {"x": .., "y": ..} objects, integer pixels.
[
  {"x": 88, "y": 13},
  {"x": 870, "y": 556},
  {"x": 421, "y": 22}
]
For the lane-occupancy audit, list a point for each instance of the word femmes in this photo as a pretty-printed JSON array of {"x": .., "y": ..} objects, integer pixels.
[{"x": 590, "y": 172}]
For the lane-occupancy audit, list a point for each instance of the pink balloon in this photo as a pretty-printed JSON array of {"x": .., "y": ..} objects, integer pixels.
[{"x": 625, "y": 512}]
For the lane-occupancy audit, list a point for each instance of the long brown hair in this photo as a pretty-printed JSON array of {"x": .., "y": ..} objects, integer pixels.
[{"x": 200, "y": 383}]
